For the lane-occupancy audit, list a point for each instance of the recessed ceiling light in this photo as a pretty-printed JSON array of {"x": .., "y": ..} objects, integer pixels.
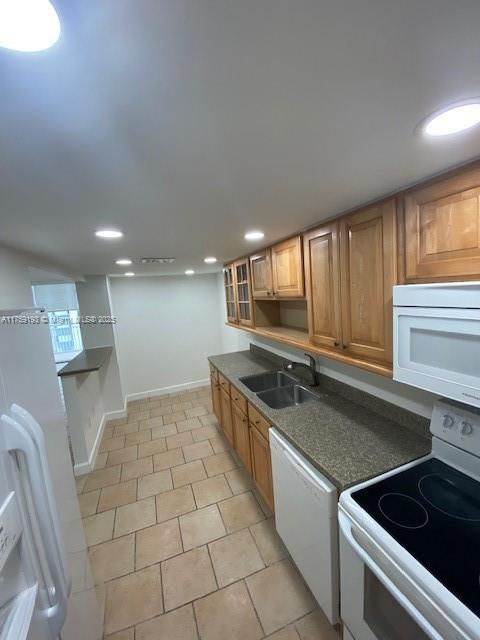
[
  {"x": 108, "y": 233},
  {"x": 453, "y": 119},
  {"x": 189, "y": 272},
  {"x": 210, "y": 260},
  {"x": 28, "y": 25},
  {"x": 254, "y": 235},
  {"x": 123, "y": 261},
  {"x": 129, "y": 273}
]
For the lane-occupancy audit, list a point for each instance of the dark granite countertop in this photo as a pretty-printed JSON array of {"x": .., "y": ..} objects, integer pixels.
[
  {"x": 87, "y": 360},
  {"x": 346, "y": 441}
]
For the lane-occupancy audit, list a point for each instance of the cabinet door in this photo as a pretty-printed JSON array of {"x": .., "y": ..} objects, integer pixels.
[
  {"x": 226, "y": 409},
  {"x": 368, "y": 266},
  {"x": 241, "y": 436},
  {"x": 215, "y": 387},
  {"x": 230, "y": 293},
  {"x": 243, "y": 293},
  {"x": 261, "y": 465},
  {"x": 287, "y": 269},
  {"x": 322, "y": 285},
  {"x": 442, "y": 228},
  {"x": 261, "y": 274}
]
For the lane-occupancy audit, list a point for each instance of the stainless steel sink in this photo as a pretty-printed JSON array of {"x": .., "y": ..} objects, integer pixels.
[
  {"x": 283, "y": 397},
  {"x": 270, "y": 380}
]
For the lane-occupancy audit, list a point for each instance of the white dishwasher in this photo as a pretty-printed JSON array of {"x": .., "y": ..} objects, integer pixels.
[{"x": 306, "y": 519}]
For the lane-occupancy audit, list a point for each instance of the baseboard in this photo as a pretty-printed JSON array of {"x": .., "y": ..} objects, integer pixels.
[
  {"x": 82, "y": 468},
  {"x": 86, "y": 467},
  {"x": 166, "y": 390}
]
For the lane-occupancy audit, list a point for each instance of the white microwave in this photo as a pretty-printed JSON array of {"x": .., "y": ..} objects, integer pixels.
[{"x": 436, "y": 338}]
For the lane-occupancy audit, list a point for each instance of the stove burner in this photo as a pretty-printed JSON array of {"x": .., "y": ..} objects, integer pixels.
[
  {"x": 454, "y": 495},
  {"x": 403, "y": 510}
]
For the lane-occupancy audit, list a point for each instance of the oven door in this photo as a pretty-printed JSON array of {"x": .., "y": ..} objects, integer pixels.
[
  {"x": 372, "y": 607},
  {"x": 438, "y": 350}
]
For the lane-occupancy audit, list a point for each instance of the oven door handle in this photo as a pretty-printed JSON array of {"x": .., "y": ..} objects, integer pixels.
[{"x": 348, "y": 531}]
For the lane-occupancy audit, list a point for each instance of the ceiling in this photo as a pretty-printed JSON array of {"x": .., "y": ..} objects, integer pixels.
[{"x": 187, "y": 122}]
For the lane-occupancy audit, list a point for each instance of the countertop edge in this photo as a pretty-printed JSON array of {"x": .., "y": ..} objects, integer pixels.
[{"x": 86, "y": 361}]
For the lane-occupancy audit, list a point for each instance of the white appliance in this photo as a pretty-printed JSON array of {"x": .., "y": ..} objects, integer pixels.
[
  {"x": 436, "y": 329},
  {"x": 306, "y": 520},
  {"x": 46, "y": 587},
  {"x": 410, "y": 541}
]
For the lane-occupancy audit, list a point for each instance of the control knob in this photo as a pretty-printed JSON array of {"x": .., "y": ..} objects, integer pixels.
[
  {"x": 448, "y": 421},
  {"x": 467, "y": 428}
]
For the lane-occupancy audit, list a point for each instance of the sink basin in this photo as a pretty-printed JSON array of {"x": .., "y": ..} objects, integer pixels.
[
  {"x": 283, "y": 397},
  {"x": 270, "y": 380}
]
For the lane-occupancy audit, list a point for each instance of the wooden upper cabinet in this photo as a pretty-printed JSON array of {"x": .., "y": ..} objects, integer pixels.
[
  {"x": 287, "y": 269},
  {"x": 368, "y": 273},
  {"x": 243, "y": 292},
  {"x": 230, "y": 292},
  {"x": 442, "y": 228},
  {"x": 322, "y": 285},
  {"x": 261, "y": 274}
]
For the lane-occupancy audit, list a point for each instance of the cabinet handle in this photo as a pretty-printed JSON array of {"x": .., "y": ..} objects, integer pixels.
[
  {"x": 336, "y": 343},
  {"x": 257, "y": 421},
  {"x": 344, "y": 346}
]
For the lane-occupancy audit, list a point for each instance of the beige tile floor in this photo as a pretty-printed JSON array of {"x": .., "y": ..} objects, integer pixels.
[{"x": 181, "y": 545}]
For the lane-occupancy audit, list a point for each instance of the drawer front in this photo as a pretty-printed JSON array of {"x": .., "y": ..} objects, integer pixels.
[
  {"x": 238, "y": 399},
  {"x": 224, "y": 383},
  {"x": 258, "y": 420},
  {"x": 213, "y": 372}
]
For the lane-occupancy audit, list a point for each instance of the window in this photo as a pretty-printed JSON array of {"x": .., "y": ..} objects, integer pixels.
[{"x": 65, "y": 331}]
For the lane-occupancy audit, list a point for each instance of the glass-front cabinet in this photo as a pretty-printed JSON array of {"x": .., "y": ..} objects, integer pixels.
[
  {"x": 230, "y": 292},
  {"x": 244, "y": 293}
]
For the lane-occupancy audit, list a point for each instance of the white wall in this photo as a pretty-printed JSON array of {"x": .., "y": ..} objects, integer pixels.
[
  {"x": 166, "y": 327},
  {"x": 15, "y": 278},
  {"x": 55, "y": 296},
  {"x": 93, "y": 300},
  {"x": 15, "y": 288}
]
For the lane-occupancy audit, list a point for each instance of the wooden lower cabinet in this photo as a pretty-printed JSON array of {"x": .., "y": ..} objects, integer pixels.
[
  {"x": 226, "y": 411},
  {"x": 215, "y": 387},
  {"x": 261, "y": 465},
  {"x": 249, "y": 438},
  {"x": 241, "y": 436}
]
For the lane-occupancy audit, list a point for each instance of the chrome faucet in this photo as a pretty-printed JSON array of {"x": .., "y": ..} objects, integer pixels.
[{"x": 311, "y": 367}]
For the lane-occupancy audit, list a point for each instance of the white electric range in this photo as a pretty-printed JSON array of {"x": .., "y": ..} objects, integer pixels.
[{"x": 410, "y": 541}]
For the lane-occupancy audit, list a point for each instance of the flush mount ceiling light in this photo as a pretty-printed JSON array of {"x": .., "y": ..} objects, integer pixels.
[
  {"x": 189, "y": 272},
  {"x": 28, "y": 25},
  {"x": 254, "y": 235},
  {"x": 453, "y": 119},
  {"x": 210, "y": 260},
  {"x": 129, "y": 274},
  {"x": 107, "y": 233},
  {"x": 123, "y": 261}
]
